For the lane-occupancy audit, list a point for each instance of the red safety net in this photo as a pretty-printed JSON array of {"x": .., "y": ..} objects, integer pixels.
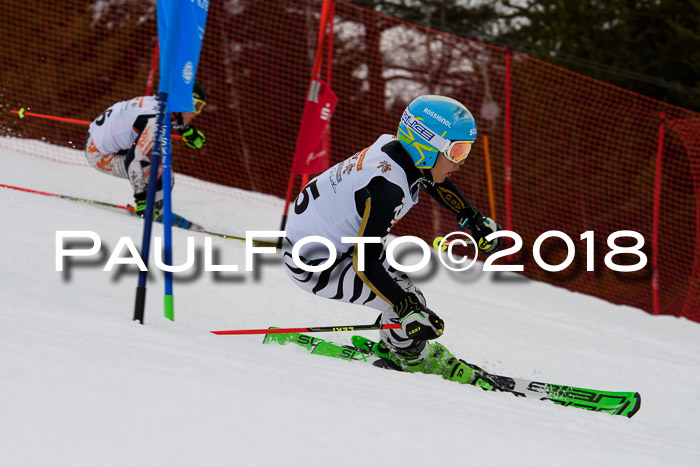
[{"x": 583, "y": 155}]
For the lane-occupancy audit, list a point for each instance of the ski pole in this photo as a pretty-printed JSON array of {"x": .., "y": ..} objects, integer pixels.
[
  {"x": 70, "y": 198},
  {"x": 22, "y": 113},
  {"x": 194, "y": 227},
  {"x": 359, "y": 327}
]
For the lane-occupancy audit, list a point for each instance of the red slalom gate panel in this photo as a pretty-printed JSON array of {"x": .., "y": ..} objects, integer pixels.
[{"x": 573, "y": 154}]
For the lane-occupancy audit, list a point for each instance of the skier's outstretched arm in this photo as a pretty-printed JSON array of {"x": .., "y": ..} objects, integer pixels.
[{"x": 447, "y": 194}]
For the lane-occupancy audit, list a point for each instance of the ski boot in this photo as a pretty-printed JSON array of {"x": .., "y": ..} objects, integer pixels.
[
  {"x": 467, "y": 373},
  {"x": 422, "y": 357},
  {"x": 431, "y": 358},
  {"x": 378, "y": 349}
]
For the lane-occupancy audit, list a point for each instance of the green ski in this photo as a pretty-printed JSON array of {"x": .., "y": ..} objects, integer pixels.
[
  {"x": 317, "y": 346},
  {"x": 615, "y": 403}
]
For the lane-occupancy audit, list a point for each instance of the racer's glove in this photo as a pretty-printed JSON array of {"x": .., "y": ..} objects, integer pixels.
[
  {"x": 193, "y": 137},
  {"x": 418, "y": 321},
  {"x": 480, "y": 227},
  {"x": 140, "y": 208}
]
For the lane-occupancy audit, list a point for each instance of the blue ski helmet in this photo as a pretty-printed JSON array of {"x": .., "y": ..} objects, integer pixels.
[{"x": 430, "y": 123}]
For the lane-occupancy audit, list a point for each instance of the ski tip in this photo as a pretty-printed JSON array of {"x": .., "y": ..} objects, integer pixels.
[{"x": 637, "y": 401}]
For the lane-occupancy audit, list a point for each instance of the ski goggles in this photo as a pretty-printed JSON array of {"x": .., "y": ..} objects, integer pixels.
[
  {"x": 198, "y": 105},
  {"x": 457, "y": 151}
]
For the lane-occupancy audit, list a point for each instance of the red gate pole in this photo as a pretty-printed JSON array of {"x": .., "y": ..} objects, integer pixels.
[
  {"x": 507, "y": 147},
  {"x": 327, "y": 12},
  {"x": 506, "y": 144},
  {"x": 152, "y": 72},
  {"x": 656, "y": 214},
  {"x": 329, "y": 66}
]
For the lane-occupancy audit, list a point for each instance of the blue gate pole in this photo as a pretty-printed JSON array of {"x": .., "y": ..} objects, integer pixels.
[
  {"x": 150, "y": 201},
  {"x": 168, "y": 299}
]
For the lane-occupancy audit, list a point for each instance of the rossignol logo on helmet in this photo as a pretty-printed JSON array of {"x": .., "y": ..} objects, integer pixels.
[{"x": 438, "y": 117}]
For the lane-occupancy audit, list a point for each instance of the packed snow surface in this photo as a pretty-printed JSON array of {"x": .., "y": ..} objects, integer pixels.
[{"x": 81, "y": 384}]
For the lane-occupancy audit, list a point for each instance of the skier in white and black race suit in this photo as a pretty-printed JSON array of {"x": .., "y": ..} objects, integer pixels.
[
  {"x": 120, "y": 140},
  {"x": 364, "y": 196}
]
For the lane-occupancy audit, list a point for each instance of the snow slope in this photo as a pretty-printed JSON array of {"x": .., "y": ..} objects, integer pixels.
[{"x": 81, "y": 384}]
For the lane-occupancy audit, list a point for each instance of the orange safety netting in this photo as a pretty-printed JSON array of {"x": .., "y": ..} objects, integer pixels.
[{"x": 567, "y": 152}]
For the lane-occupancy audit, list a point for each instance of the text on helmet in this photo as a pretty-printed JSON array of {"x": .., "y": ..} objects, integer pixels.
[{"x": 438, "y": 117}]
